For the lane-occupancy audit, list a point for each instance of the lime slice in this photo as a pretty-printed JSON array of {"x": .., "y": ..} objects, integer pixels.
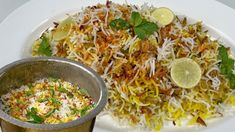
[
  {"x": 163, "y": 15},
  {"x": 152, "y": 39},
  {"x": 135, "y": 46},
  {"x": 185, "y": 72},
  {"x": 63, "y": 29}
]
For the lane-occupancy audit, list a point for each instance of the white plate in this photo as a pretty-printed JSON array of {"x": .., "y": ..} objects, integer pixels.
[{"x": 19, "y": 29}]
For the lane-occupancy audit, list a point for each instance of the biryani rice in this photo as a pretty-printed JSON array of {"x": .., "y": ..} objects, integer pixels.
[{"x": 137, "y": 72}]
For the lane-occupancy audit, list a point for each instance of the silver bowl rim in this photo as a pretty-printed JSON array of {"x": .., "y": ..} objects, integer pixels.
[{"x": 99, "y": 105}]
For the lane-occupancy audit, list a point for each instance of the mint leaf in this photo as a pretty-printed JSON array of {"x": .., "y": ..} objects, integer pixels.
[
  {"x": 142, "y": 28},
  {"x": 44, "y": 47},
  {"x": 140, "y": 32},
  {"x": 135, "y": 19},
  {"x": 119, "y": 24},
  {"x": 227, "y": 65},
  {"x": 145, "y": 29}
]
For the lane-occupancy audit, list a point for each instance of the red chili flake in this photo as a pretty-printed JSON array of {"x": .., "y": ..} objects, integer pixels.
[
  {"x": 108, "y": 3},
  {"x": 201, "y": 121},
  {"x": 135, "y": 7},
  {"x": 56, "y": 24},
  {"x": 81, "y": 27},
  {"x": 93, "y": 7},
  {"x": 174, "y": 123}
]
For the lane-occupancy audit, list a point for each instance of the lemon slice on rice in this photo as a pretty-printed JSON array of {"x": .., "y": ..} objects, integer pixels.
[
  {"x": 63, "y": 28},
  {"x": 163, "y": 15},
  {"x": 185, "y": 72}
]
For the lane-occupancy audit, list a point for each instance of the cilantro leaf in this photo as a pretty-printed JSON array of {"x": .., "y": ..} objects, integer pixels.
[
  {"x": 232, "y": 81},
  {"x": 55, "y": 101},
  {"x": 227, "y": 65},
  {"x": 29, "y": 93},
  {"x": 44, "y": 47},
  {"x": 61, "y": 89},
  {"x": 52, "y": 92},
  {"x": 42, "y": 100},
  {"x": 50, "y": 113},
  {"x": 145, "y": 29},
  {"x": 70, "y": 95},
  {"x": 84, "y": 111},
  {"x": 36, "y": 118},
  {"x": 33, "y": 110},
  {"x": 135, "y": 19},
  {"x": 223, "y": 55},
  {"x": 32, "y": 114},
  {"x": 83, "y": 91},
  {"x": 119, "y": 24}
]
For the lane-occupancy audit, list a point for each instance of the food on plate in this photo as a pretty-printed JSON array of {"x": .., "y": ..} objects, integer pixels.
[
  {"x": 185, "y": 72},
  {"x": 146, "y": 56},
  {"x": 47, "y": 101},
  {"x": 163, "y": 15}
]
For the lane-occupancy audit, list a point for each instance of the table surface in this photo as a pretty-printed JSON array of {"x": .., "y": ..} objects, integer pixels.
[{"x": 7, "y": 6}]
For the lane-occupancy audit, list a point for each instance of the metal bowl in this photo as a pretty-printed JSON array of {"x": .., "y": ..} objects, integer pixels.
[{"x": 18, "y": 73}]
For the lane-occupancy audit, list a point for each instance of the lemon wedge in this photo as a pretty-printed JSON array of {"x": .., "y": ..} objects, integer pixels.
[
  {"x": 63, "y": 29},
  {"x": 163, "y": 15},
  {"x": 185, "y": 72}
]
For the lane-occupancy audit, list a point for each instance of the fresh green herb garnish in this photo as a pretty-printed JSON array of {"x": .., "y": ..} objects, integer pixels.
[
  {"x": 83, "y": 91},
  {"x": 52, "y": 91},
  {"x": 119, "y": 24},
  {"x": 227, "y": 65},
  {"x": 28, "y": 93},
  {"x": 52, "y": 79},
  {"x": 61, "y": 89},
  {"x": 30, "y": 85},
  {"x": 20, "y": 102},
  {"x": 32, "y": 114},
  {"x": 142, "y": 28},
  {"x": 50, "y": 113},
  {"x": 135, "y": 19},
  {"x": 44, "y": 47},
  {"x": 84, "y": 111},
  {"x": 145, "y": 29},
  {"x": 55, "y": 101},
  {"x": 74, "y": 110},
  {"x": 42, "y": 100},
  {"x": 70, "y": 95}
]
